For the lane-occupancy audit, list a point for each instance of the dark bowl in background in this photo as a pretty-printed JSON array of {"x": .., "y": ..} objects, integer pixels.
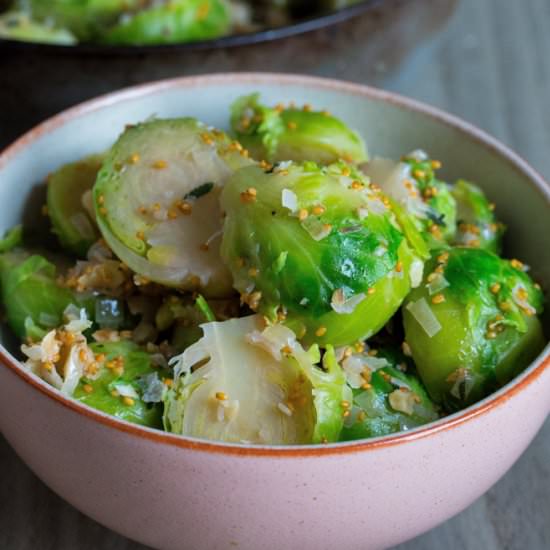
[
  {"x": 361, "y": 43},
  {"x": 298, "y": 26}
]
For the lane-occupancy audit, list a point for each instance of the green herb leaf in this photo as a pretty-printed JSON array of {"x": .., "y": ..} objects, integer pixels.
[
  {"x": 200, "y": 190},
  {"x": 203, "y": 306}
]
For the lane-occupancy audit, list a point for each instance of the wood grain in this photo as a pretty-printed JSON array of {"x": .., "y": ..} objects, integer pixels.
[{"x": 490, "y": 65}]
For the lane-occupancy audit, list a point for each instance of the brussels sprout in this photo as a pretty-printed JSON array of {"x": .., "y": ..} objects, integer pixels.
[
  {"x": 387, "y": 395},
  {"x": 12, "y": 238},
  {"x": 33, "y": 300},
  {"x": 171, "y": 22},
  {"x": 84, "y": 18},
  {"x": 317, "y": 247},
  {"x": 279, "y": 134},
  {"x": 81, "y": 18},
  {"x": 477, "y": 224},
  {"x": 243, "y": 382},
  {"x": 16, "y": 25},
  {"x": 472, "y": 324},
  {"x": 126, "y": 386},
  {"x": 412, "y": 184},
  {"x": 156, "y": 200},
  {"x": 71, "y": 221}
]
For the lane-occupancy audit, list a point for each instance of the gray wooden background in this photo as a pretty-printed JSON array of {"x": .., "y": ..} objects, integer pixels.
[{"x": 490, "y": 65}]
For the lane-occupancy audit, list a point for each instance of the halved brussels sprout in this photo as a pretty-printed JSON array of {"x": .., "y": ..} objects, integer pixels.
[
  {"x": 126, "y": 384},
  {"x": 472, "y": 325},
  {"x": 279, "y": 134},
  {"x": 71, "y": 221},
  {"x": 387, "y": 395},
  {"x": 318, "y": 248},
  {"x": 412, "y": 184},
  {"x": 16, "y": 25},
  {"x": 156, "y": 200},
  {"x": 33, "y": 300},
  {"x": 248, "y": 383},
  {"x": 477, "y": 224},
  {"x": 173, "y": 21}
]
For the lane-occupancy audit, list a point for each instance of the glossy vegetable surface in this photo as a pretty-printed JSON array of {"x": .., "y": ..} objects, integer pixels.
[
  {"x": 127, "y": 386},
  {"x": 33, "y": 300},
  {"x": 472, "y": 324},
  {"x": 413, "y": 185},
  {"x": 477, "y": 224},
  {"x": 156, "y": 195},
  {"x": 151, "y": 23},
  {"x": 289, "y": 133},
  {"x": 246, "y": 382},
  {"x": 84, "y": 18},
  {"x": 316, "y": 247},
  {"x": 388, "y": 397},
  {"x": 176, "y": 21},
  {"x": 12, "y": 238},
  {"x": 72, "y": 223},
  {"x": 255, "y": 302}
]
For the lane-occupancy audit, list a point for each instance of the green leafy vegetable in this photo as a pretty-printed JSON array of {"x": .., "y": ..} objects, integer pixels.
[
  {"x": 85, "y": 19},
  {"x": 71, "y": 221},
  {"x": 124, "y": 387},
  {"x": 34, "y": 302},
  {"x": 413, "y": 185},
  {"x": 316, "y": 247},
  {"x": 387, "y": 395},
  {"x": 243, "y": 382},
  {"x": 175, "y": 21},
  {"x": 204, "y": 308},
  {"x": 472, "y": 324},
  {"x": 12, "y": 238},
  {"x": 140, "y": 210},
  {"x": 280, "y": 134},
  {"x": 477, "y": 224}
]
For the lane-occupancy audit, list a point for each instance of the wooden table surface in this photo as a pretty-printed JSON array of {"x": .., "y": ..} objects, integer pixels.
[{"x": 489, "y": 65}]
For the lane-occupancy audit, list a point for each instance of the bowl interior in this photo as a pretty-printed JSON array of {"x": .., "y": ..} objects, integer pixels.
[{"x": 390, "y": 125}]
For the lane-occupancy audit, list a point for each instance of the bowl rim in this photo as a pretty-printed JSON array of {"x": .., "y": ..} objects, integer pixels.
[
  {"x": 494, "y": 400},
  {"x": 295, "y": 28}
]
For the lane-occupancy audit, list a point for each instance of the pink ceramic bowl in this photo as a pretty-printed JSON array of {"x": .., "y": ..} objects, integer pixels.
[{"x": 172, "y": 492}]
